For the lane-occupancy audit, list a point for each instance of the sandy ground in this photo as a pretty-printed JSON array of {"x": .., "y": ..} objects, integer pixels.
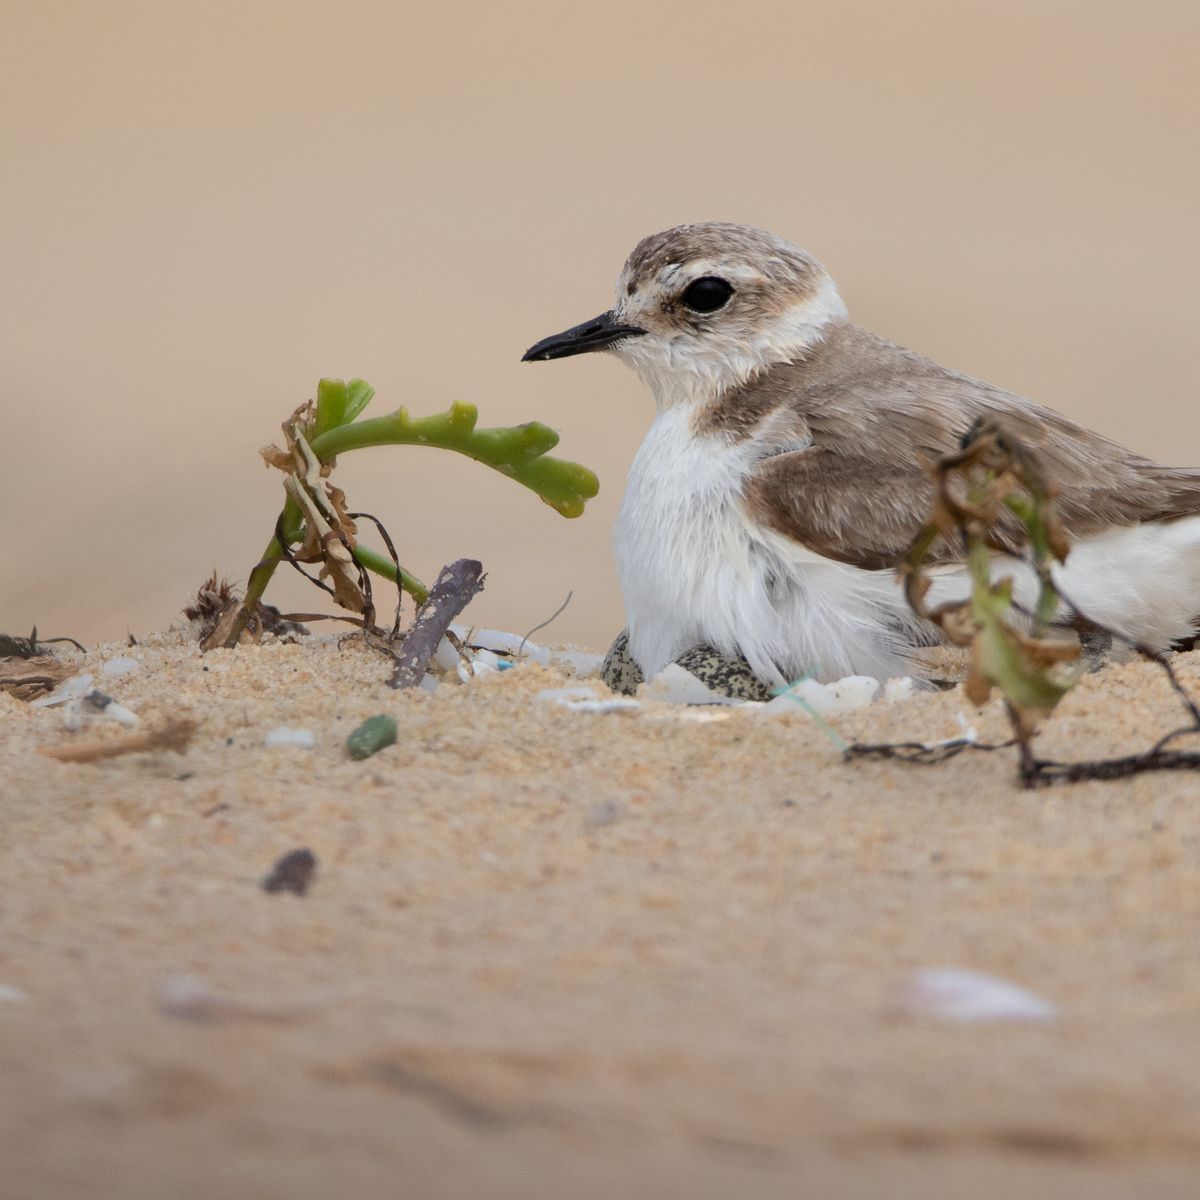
[{"x": 549, "y": 953}]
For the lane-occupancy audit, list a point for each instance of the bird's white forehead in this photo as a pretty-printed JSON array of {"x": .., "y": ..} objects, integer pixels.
[{"x": 674, "y": 275}]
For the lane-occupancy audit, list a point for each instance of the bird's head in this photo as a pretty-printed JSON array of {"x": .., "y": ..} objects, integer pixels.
[{"x": 702, "y": 308}]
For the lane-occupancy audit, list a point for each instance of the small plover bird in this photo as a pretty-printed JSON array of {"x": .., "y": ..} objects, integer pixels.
[{"x": 789, "y": 463}]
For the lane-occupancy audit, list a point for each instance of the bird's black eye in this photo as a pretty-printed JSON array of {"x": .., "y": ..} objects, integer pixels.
[{"x": 706, "y": 294}]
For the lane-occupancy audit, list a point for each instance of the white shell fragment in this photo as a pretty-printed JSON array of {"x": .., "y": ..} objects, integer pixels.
[
  {"x": 845, "y": 695},
  {"x": 446, "y": 655},
  {"x": 479, "y": 662},
  {"x": 70, "y": 689},
  {"x": 953, "y": 994},
  {"x": 119, "y": 666},
  {"x": 500, "y": 642},
  {"x": 283, "y": 735},
  {"x": 586, "y": 699},
  {"x": 11, "y": 995},
  {"x": 898, "y": 689},
  {"x": 582, "y": 662}
]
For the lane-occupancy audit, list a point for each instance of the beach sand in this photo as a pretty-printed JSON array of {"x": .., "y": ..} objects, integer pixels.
[{"x": 552, "y": 953}]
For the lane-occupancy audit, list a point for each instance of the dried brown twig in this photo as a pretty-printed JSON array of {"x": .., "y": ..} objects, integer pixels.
[{"x": 457, "y": 584}]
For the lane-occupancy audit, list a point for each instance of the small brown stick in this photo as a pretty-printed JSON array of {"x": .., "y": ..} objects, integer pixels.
[
  {"x": 174, "y": 735},
  {"x": 456, "y": 586}
]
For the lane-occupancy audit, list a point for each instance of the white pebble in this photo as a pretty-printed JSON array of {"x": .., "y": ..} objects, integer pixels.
[
  {"x": 953, "y": 994},
  {"x": 11, "y": 995},
  {"x": 120, "y": 714},
  {"x": 282, "y": 735}
]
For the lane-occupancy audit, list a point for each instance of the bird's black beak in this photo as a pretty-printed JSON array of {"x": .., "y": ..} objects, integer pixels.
[{"x": 597, "y": 334}]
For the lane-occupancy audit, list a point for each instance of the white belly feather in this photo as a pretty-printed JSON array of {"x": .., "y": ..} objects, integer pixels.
[{"x": 695, "y": 570}]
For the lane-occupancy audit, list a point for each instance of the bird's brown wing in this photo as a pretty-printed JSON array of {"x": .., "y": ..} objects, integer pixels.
[
  {"x": 851, "y": 509},
  {"x": 864, "y": 487}
]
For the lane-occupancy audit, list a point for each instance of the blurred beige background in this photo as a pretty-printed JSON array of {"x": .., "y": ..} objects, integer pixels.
[{"x": 206, "y": 207}]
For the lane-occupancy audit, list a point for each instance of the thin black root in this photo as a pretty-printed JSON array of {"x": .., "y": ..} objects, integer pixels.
[{"x": 1034, "y": 772}]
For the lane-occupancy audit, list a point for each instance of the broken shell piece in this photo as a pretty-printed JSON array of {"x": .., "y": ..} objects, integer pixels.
[
  {"x": 70, "y": 689},
  {"x": 845, "y": 695},
  {"x": 283, "y": 735},
  {"x": 12, "y": 995},
  {"x": 953, "y": 994}
]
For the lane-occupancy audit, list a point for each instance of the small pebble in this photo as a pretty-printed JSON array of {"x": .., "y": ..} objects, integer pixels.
[
  {"x": 603, "y": 812},
  {"x": 283, "y": 735},
  {"x": 372, "y": 736},
  {"x": 11, "y": 995},
  {"x": 292, "y": 873}
]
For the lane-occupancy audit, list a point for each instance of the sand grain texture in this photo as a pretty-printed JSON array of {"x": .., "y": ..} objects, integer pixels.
[{"x": 548, "y": 953}]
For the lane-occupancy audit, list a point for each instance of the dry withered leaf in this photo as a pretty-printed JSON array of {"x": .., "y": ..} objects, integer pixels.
[
  {"x": 274, "y": 457},
  {"x": 215, "y": 608},
  {"x": 331, "y": 534}
]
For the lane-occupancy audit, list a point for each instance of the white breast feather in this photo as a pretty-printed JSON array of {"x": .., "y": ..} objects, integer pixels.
[{"x": 694, "y": 569}]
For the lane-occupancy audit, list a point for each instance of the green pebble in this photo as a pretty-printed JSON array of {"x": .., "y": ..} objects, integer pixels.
[{"x": 372, "y": 735}]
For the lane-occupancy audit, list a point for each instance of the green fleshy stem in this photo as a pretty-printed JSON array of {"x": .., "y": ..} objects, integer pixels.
[
  {"x": 516, "y": 451},
  {"x": 520, "y": 452},
  {"x": 376, "y": 562}
]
